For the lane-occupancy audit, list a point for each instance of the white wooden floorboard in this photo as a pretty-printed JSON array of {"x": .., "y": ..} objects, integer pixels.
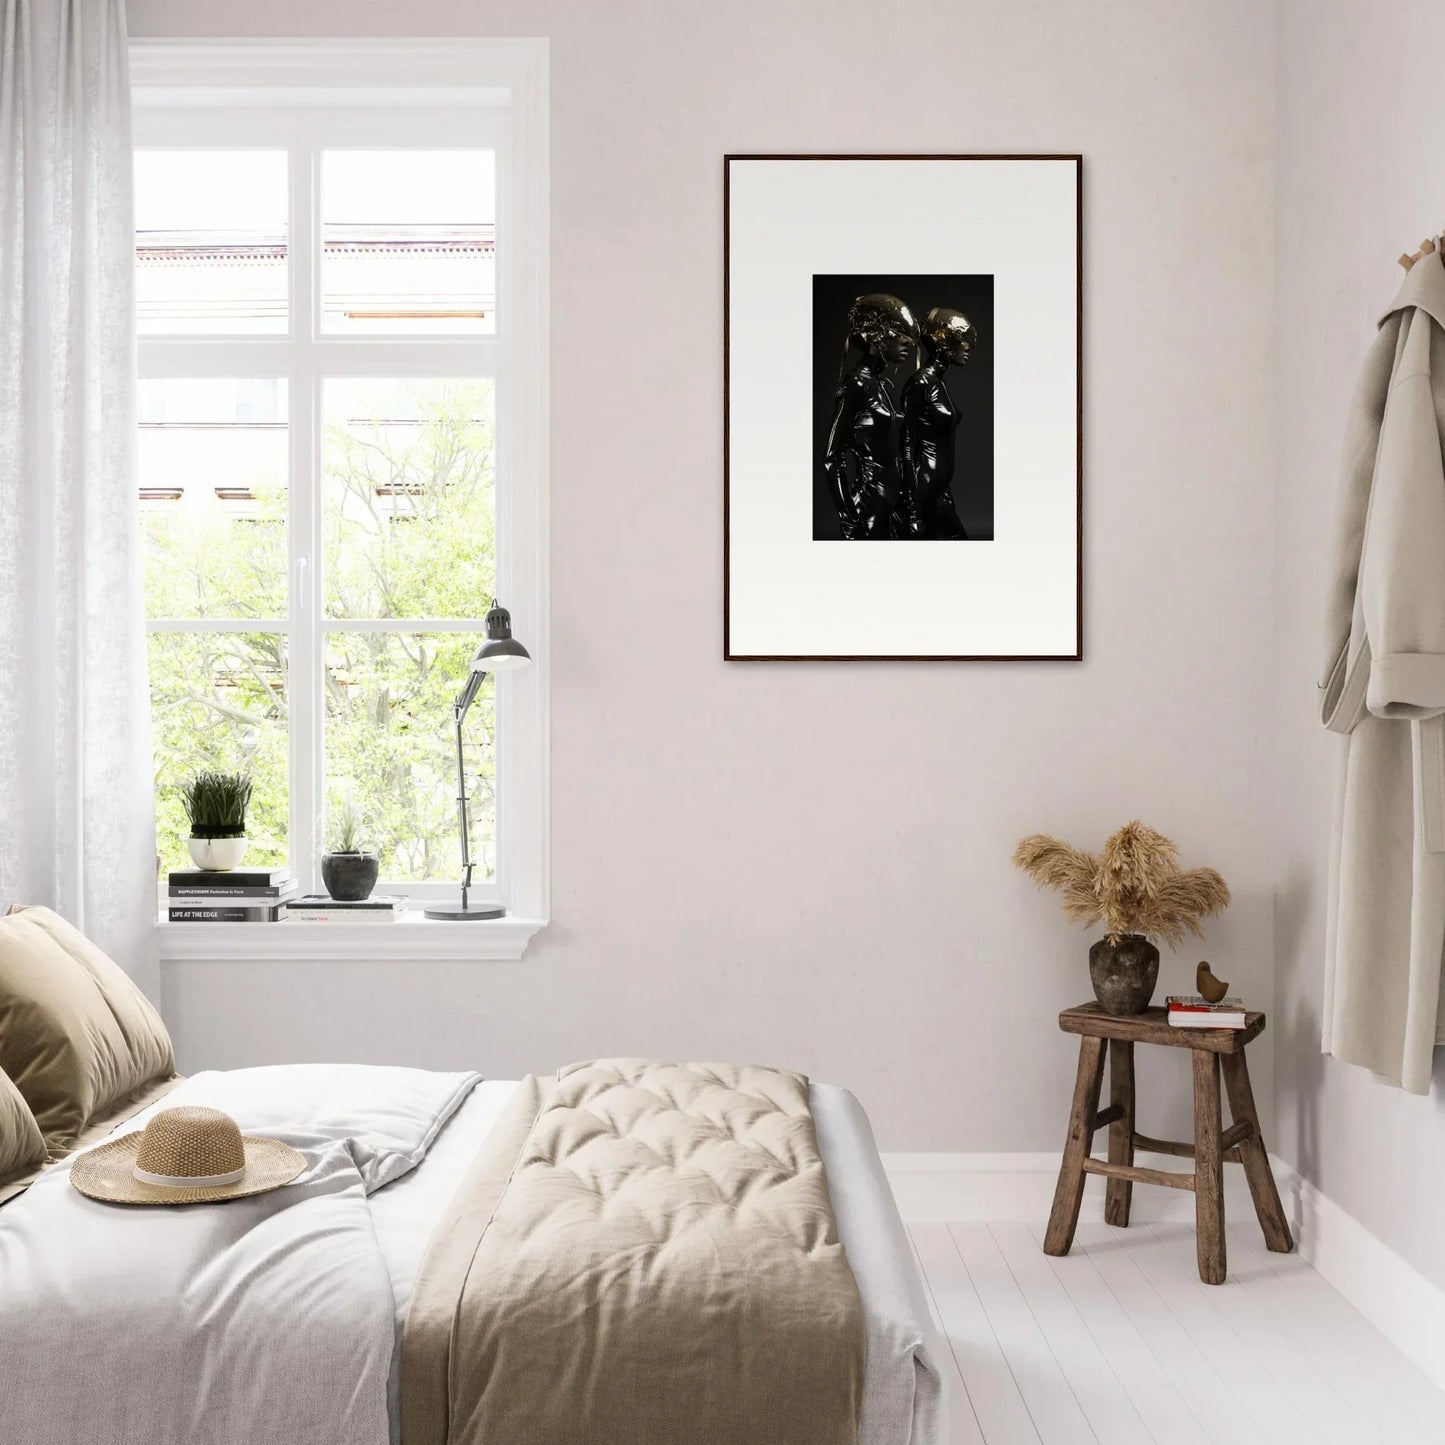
[
  {"x": 1326, "y": 1415},
  {"x": 988, "y": 1383},
  {"x": 1210, "y": 1399},
  {"x": 1395, "y": 1402},
  {"x": 1051, "y": 1402},
  {"x": 1162, "y": 1408},
  {"x": 1102, "y": 1398},
  {"x": 963, "y": 1426},
  {"x": 1120, "y": 1343},
  {"x": 1242, "y": 1370}
]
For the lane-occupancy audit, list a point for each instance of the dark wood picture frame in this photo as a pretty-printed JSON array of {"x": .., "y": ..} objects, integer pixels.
[{"x": 1078, "y": 654}]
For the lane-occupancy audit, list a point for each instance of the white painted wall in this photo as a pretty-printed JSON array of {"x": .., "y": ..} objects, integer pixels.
[
  {"x": 1361, "y": 170},
  {"x": 807, "y": 864}
]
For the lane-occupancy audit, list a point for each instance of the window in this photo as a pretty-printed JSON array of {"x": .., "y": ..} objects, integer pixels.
[{"x": 340, "y": 289}]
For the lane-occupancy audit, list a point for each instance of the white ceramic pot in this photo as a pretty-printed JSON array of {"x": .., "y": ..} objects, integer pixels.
[{"x": 217, "y": 855}]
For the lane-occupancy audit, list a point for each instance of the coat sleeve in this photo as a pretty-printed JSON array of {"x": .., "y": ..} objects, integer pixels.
[
  {"x": 1346, "y": 670},
  {"x": 1402, "y": 567}
]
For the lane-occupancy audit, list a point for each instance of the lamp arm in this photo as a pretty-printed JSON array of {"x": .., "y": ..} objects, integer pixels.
[
  {"x": 460, "y": 707},
  {"x": 468, "y": 694}
]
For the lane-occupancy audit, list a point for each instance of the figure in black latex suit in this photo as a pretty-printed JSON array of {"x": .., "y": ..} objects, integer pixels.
[
  {"x": 860, "y": 462},
  {"x": 930, "y": 420}
]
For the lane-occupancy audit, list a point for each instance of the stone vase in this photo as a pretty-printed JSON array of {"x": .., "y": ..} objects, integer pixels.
[
  {"x": 1124, "y": 972},
  {"x": 350, "y": 877}
]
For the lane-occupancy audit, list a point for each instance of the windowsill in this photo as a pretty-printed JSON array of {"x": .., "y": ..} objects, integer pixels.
[{"x": 411, "y": 937}]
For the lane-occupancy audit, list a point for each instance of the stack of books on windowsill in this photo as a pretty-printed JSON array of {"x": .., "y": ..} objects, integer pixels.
[
  {"x": 1192, "y": 1011},
  {"x": 244, "y": 895},
  {"x": 319, "y": 908}
]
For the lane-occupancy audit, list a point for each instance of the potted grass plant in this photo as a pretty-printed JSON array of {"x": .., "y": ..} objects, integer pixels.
[
  {"x": 216, "y": 805},
  {"x": 350, "y": 870},
  {"x": 1135, "y": 887}
]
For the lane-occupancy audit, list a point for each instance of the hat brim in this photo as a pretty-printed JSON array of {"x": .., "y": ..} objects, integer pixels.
[{"x": 107, "y": 1173}]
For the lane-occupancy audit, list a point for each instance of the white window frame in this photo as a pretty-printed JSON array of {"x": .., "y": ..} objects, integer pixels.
[{"x": 305, "y": 96}]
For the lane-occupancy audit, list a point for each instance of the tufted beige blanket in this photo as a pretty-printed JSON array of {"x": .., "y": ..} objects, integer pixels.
[{"x": 643, "y": 1254}]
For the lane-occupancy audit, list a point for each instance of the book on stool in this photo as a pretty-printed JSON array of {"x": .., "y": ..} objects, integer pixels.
[{"x": 1194, "y": 1011}]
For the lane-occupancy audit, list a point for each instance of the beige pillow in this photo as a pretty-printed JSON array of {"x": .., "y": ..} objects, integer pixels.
[
  {"x": 21, "y": 1148},
  {"x": 76, "y": 1035}
]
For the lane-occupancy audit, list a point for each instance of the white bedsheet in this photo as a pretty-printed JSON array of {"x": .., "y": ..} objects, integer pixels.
[
  {"x": 902, "y": 1390},
  {"x": 265, "y": 1320}
]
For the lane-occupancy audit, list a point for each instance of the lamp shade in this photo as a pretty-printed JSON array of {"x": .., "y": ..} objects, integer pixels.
[{"x": 500, "y": 651}]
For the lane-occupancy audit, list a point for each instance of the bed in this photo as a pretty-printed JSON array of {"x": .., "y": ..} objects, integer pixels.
[{"x": 394, "y": 1216}]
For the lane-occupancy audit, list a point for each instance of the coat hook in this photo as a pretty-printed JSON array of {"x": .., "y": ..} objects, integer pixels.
[{"x": 1427, "y": 248}]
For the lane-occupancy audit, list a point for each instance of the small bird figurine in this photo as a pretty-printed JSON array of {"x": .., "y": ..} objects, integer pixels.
[{"x": 1209, "y": 987}]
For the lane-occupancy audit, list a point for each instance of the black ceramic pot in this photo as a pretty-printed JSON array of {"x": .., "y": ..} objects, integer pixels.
[
  {"x": 1124, "y": 972},
  {"x": 350, "y": 877}
]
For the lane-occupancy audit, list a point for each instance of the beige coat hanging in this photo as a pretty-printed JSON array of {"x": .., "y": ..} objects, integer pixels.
[{"x": 1384, "y": 686}]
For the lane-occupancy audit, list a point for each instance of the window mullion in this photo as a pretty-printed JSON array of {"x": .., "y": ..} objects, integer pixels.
[
  {"x": 306, "y": 696},
  {"x": 218, "y": 624},
  {"x": 406, "y": 624}
]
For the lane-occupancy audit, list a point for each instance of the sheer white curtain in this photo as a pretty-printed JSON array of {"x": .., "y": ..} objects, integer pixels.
[{"x": 76, "y": 825}]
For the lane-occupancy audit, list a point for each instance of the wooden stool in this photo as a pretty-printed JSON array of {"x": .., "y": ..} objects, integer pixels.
[{"x": 1213, "y": 1146}]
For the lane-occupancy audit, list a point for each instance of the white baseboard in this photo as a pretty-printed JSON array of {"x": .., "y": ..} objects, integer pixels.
[{"x": 1407, "y": 1308}]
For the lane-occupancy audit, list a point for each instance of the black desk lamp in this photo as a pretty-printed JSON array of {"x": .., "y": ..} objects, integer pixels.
[{"x": 499, "y": 653}]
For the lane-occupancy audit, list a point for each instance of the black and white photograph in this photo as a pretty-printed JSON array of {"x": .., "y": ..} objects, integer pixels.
[{"x": 903, "y": 408}]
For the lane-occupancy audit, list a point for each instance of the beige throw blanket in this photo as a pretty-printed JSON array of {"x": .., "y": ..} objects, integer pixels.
[{"x": 643, "y": 1254}]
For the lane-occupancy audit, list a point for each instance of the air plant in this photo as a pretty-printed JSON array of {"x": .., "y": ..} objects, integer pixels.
[
  {"x": 348, "y": 830},
  {"x": 216, "y": 804},
  {"x": 1134, "y": 885}
]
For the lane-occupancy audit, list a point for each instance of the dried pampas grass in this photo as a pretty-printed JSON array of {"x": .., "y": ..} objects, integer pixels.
[{"x": 1135, "y": 885}]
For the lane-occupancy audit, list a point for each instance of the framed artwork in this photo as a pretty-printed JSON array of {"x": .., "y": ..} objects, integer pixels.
[{"x": 902, "y": 396}]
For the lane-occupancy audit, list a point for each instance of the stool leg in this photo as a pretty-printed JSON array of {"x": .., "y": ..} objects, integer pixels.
[
  {"x": 1069, "y": 1193},
  {"x": 1208, "y": 1168},
  {"x": 1119, "y": 1193},
  {"x": 1254, "y": 1157}
]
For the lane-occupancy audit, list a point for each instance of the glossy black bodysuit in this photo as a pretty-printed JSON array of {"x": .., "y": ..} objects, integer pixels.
[
  {"x": 930, "y": 424},
  {"x": 859, "y": 461}
]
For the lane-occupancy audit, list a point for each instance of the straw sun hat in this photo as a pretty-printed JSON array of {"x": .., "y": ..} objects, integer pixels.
[{"x": 187, "y": 1155}]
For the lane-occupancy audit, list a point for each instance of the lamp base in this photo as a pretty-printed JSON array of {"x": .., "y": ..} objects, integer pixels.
[{"x": 458, "y": 912}]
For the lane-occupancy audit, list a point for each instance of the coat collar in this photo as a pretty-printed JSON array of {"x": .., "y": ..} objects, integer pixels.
[{"x": 1422, "y": 288}]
